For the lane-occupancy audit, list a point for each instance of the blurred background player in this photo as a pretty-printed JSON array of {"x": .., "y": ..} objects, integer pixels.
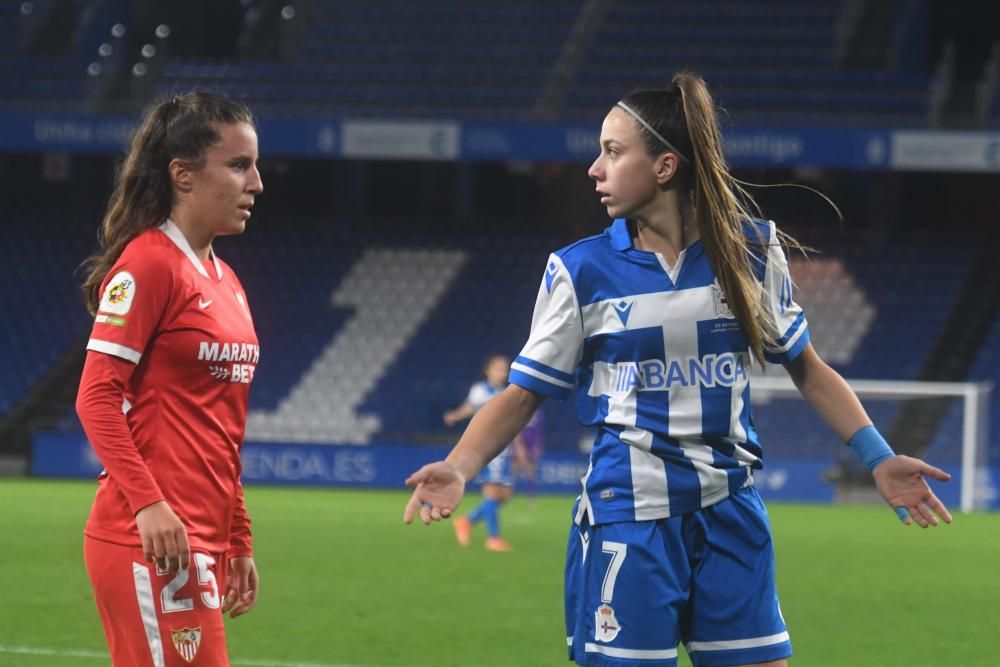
[
  {"x": 533, "y": 438},
  {"x": 163, "y": 396},
  {"x": 659, "y": 319},
  {"x": 497, "y": 479}
]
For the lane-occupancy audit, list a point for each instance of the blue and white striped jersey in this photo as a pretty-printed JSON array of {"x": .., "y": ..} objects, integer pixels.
[
  {"x": 480, "y": 394},
  {"x": 661, "y": 367}
]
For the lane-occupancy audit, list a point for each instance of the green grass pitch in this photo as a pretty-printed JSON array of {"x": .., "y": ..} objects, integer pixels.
[{"x": 344, "y": 583}]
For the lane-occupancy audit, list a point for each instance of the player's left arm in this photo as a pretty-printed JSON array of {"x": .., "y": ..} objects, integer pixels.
[
  {"x": 242, "y": 586},
  {"x": 242, "y": 582},
  {"x": 828, "y": 393},
  {"x": 900, "y": 479}
]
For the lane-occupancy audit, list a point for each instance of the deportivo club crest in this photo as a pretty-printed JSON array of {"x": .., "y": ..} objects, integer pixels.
[
  {"x": 720, "y": 302},
  {"x": 606, "y": 626},
  {"x": 186, "y": 641}
]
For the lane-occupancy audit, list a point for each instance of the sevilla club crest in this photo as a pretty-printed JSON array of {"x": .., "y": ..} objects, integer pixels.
[{"x": 186, "y": 641}]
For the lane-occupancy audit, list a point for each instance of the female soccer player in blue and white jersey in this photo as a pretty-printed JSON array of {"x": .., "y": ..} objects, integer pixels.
[
  {"x": 656, "y": 323},
  {"x": 498, "y": 479}
]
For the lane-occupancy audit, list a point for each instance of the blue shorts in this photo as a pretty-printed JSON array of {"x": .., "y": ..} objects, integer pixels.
[
  {"x": 498, "y": 471},
  {"x": 635, "y": 590},
  {"x": 579, "y": 538}
]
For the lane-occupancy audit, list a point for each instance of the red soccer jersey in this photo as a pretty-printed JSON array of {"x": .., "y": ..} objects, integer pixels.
[{"x": 185, "y": 324}]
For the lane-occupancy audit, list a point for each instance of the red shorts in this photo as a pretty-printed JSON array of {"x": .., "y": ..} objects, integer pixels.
[{"x": 158, "y": 620}]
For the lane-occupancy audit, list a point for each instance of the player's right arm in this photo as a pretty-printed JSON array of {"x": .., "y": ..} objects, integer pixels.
[
  {"x": 135, "y": 297},
  {"x": 439, "y": 486},
  {"x": 99, "y": 406},
  {"x": 543, "y": 369}
]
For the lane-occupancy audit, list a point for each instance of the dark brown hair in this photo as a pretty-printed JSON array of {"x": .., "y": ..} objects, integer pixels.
[{"x": 182, "y": 127}]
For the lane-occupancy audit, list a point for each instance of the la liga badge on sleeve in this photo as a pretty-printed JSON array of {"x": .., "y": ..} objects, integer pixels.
[{"x": 186, "y": 641}]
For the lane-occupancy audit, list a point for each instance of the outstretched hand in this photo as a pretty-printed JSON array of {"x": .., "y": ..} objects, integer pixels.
[
  {"x": 438, "y": 489},
  {"x": 901, "y": 482}
]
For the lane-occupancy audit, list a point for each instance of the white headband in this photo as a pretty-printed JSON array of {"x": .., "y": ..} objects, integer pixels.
[{"x": 656, "y": 134}]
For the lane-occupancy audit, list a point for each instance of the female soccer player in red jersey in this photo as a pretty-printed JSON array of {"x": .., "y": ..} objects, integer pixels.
[{"x": 163, "y": 397}]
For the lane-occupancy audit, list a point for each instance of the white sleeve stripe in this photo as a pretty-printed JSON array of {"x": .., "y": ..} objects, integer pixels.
[
  {"x": 548, "y": 379},
  {"x": 114, "y": 349},
  {"x": 791, "y": 341}
]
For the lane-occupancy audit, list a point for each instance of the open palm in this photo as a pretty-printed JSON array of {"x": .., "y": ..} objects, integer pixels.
[
  {"x": 437, "y": 490},
  {"x": 901, "y": 482}
]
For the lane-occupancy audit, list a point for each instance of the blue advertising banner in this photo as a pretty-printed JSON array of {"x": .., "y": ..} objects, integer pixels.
[
  {"x": 62, "y": 455},
  {"x": 386, "y": 465},
  {"x": 453, "y": 140},
  {"x": 750, "y": 147},
  {"x": 82, "y": 133},
  {"x": 794, "y": 480},
  {"x": 382, "y": 466}
]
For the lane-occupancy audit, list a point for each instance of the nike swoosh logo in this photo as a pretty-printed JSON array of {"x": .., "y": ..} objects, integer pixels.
[{"x": 204, "y": 304}]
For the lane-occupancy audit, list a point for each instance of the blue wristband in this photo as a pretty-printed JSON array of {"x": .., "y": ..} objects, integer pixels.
[{"x": 870, "y": 447}]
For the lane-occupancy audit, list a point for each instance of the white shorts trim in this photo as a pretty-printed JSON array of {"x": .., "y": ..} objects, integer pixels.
[
  {"x": 636, "y": 654},
  {"x": 756, "y": 642},
  {"x": 147, "y": 610},
  {"x": 114, "y": 349}
]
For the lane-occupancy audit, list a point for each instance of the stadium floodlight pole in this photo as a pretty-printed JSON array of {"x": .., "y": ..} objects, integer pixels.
[{"x": 971, "y": 393}]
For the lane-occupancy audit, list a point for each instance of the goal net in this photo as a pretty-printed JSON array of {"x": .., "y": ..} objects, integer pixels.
[{"x": 944, "y": 423}]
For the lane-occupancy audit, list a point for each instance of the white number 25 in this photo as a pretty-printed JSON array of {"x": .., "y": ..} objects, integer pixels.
[{"x": 203, "y": 565}]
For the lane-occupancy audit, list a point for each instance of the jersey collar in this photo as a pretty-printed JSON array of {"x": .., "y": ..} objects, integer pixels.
[
  {"x": 174, "y": 233},
  {"x": 621, "y": 239}
]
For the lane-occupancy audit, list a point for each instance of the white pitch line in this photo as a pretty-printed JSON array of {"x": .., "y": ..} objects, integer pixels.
[
  {"x": 68, "y": 653},
  {"x": 96, "y": 655},
  {"x": 272, "y": 663}
]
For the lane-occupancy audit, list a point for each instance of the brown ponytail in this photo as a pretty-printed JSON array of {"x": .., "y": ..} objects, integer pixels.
[
  {"x": 685, "y": 116},
  {"x": 183, "y": 127},
  {"x": 720, "y": 213}
]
